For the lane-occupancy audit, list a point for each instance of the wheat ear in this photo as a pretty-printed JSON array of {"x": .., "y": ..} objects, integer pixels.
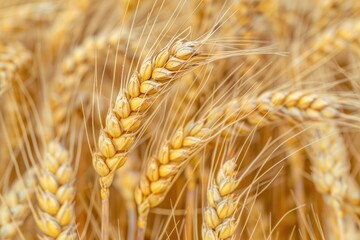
[
  {"x": 220, "y": 221},
  {"x": 125, "y": 117},
  {"x": 271, "y": 107},
  {"x": 55, "y": 195},
  {"x": 62, "y": 31},
  {"x": 25, "y": 17},
  {"x": 335, "y": 38},
  {"x": 331, "y": 170},
  {"x": 15, "y": 62},
  {"x": 14, "y": 59},
  {"x": 14, "y": 208}
]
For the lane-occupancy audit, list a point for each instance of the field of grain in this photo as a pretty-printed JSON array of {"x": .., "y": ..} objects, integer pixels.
[{"x": 192, "y": 119}]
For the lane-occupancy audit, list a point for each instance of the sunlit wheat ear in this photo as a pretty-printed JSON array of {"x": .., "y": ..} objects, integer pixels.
[
  {"x": 62, "y": 31},
  {"x": 331, "y": 171},
  {"x": 281, "y": 106},
  {"x": 55, "y": 195},
  {"x": 161, "y": 170},
  {"x": 74, "y": 69},
  {"x": 14, "y": 59},
  {"x": 127, "y": 113},
  {"x": 15, "y": 64},
  {"x": 220, "y": 221},
  {"x": 24, "y": 18},
  {"x": 192, "y": 175},
  {"x": 334, "y": 39},
  {"x": 14, "y": 207}
]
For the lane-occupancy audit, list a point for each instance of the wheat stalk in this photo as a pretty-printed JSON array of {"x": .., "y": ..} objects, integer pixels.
[
  {"x": 334, "y": 39},
  {"x": 297, "y": 160},
  {"x": 15, "y": 206},
  {"x": 55, "y": 194}
]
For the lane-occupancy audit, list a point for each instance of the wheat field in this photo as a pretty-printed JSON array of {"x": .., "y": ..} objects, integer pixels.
[{"x": 193, "y": 119}]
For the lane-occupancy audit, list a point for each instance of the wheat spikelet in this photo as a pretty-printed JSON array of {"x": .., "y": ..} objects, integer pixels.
[
  {"x": 220, "y": 221},
  {"x": 125, "y": 117},
  {"x": 55, "y": 195},
  {"x": 14, "y": 207}
]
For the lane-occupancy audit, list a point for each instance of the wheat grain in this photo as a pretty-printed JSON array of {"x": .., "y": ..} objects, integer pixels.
[
  {"x": 334, "y": 39},
  {"x": 297, "y": 160},
  {"x": 192, "y": 175}
]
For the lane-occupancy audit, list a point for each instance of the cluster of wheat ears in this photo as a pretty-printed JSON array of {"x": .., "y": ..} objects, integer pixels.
[{"x": 193, "y": 119}]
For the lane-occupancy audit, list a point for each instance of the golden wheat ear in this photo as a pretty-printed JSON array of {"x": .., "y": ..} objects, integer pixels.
[
  {"x": 220, "y": 221},
  {"x": 331, "y": 172},
  {"x": 55, "y": 194},
  {"x": 23, "y": 18},
  {"x": 14, "y": 207}
]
